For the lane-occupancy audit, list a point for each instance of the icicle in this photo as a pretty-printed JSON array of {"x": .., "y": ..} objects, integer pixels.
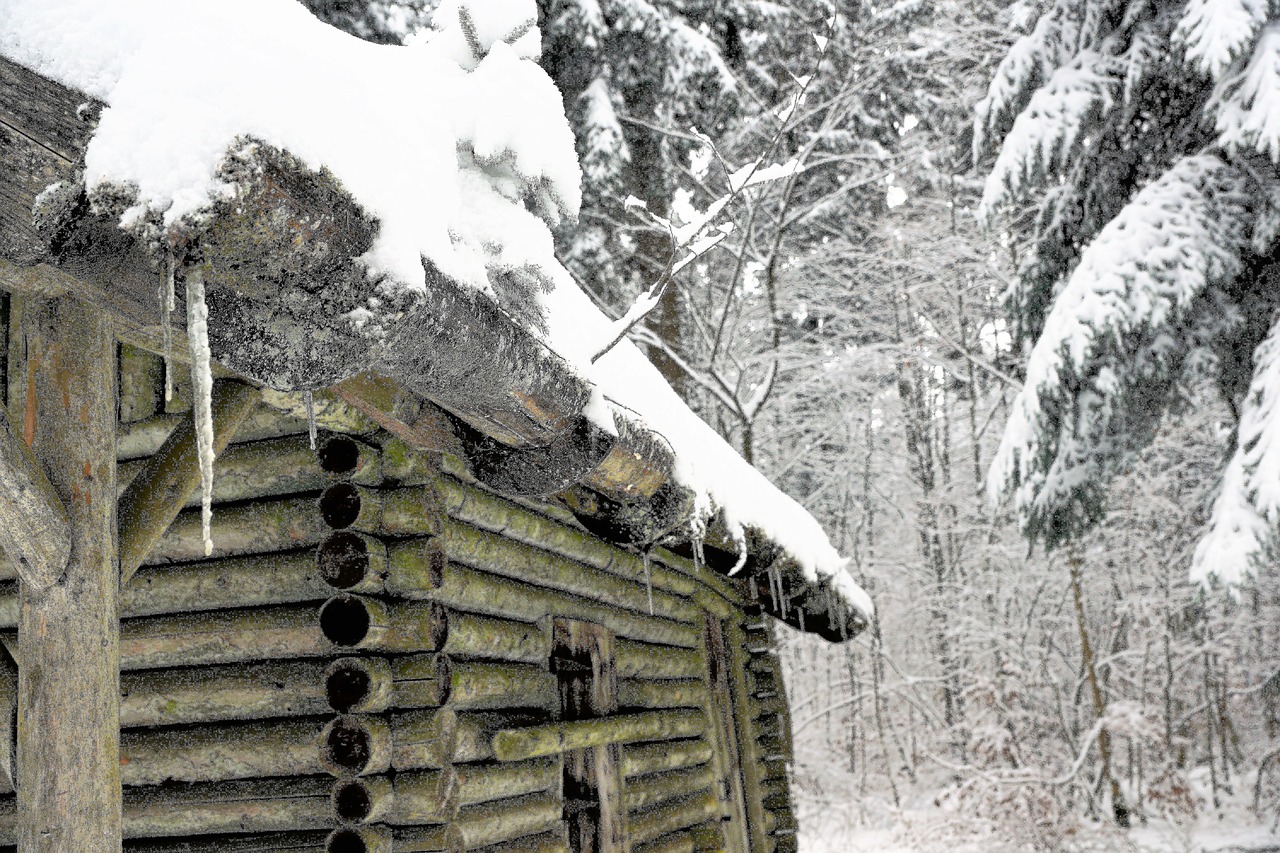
[
  {"x": 648, "y": 580},
  {"x": 202, "y": 397},
  {"x": 311, "y": 417},
  {"x": 168, "y": 304},
  {"x": 775, "y": 578}
]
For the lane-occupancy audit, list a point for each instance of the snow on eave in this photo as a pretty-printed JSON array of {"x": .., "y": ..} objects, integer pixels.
[{"x": 442, "y": 141}]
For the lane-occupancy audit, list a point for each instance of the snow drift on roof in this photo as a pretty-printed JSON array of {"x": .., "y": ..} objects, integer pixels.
[{"x": 449, "y": 142}]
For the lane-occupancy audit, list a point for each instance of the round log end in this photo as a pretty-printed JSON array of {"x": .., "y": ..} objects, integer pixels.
[
  {"x": 351, "y": 746},
  {"x": 340, "y": 505},
  {"x": 339, "y": 456},
  {"x": 343, "y": 560},
  {"x": 358, "y": 685},
  {"x": 353, "y": 802},
  {"x": 348, "y": 620},
  {"x": 349, "y": 839}
]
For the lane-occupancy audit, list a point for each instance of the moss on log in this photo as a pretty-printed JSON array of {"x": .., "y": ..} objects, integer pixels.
[
  {"x": 506, "y": 820},
  {"x": 143, "y": 438},
  {"x": 636, "y": 659},
  {"x": 406, "y": 511},
  {"x": 415, "y": 568},
  {"x": 643, "y": 792},
  {"x": 247, "y": 750},
  {"x": 497, "y": 515},
  {"x": 222, "y": 636},
  {"x": 207, "y": 694},
  {"x": 493, "y": 553},
  {"x": 464, "y": 588},
  {"x": 408, "y": 798},
  {"x": 166, "y": 481},
  {"x": 385, "y": 839},
  {"x": 475, "y": 731},
  {"x": 488, "y": 637},
  {"x": 488, "y": 685},
  {"x": 279, "y": 466},
  {"x": 423, "y": 739},
  {"x": 676, "y": 842},
  {"x": 370, "y": 685},
  {"x": 672, "y": 815},
  {"x": 481, "y": 783},
  {"x": 202, "y": 808},
  {"x": 260, "y": 527},
  {"x": 644, "y": 759},
  {"x": 556, "y": 738},
  {"x": 275, "y": 842},
  {"x": 141, "y": 378},
  {"x": 369, "y": 624},
  {"x": 652, "y": 694},
  {"x": 546, "y": 842}
]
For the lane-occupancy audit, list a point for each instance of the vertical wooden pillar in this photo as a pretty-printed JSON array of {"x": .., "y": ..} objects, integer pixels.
[{"x": 63, "y": 370}]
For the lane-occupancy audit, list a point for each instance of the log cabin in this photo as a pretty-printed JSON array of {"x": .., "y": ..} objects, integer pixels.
[{"x": 444, "y": 610}]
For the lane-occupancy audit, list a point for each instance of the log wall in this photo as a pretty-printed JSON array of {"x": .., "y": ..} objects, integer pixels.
[{"x": 364, "y": 663}]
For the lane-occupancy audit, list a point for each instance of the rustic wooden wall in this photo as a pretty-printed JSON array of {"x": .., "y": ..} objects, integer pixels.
[{"x": 372, "y": 636}]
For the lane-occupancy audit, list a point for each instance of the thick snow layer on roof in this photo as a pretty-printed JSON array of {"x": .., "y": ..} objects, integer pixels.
[{"x": 443, "y": 140}]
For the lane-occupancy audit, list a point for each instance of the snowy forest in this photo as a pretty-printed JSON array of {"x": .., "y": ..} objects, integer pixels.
[
  {"x": 1002, "y": 317},
  {"x": 991, "y": 288}
]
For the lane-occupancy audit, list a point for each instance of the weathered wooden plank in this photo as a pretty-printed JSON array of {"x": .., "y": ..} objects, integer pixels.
[
  {"x": 34, "y": 531},
  {"x": 237, "y": 692},
  {"x": 218, "y": 808},
  {"x": 506, "y": 820},
  {"x": 68, "y": 693},
  {"x": 161, "y": 489}
]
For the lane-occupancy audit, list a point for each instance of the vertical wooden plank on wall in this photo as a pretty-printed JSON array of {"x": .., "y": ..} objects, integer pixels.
[
  {"x": 62, "y": 359},
  {"x": 723, "y": 733},
  {"x": 735, "y": 640}
]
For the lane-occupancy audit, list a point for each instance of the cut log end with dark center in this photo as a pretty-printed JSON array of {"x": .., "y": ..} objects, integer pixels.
[
  {"x": 347, "y": 746},
  {"x": 345, "y": 841},
  {"x": 347, "y": 686},
  {"x": 339, "y": 455},
  {"x": 345, "y": 620},
  {"x": 343, "y": 559},
  {"x": 352, "y": 801},
  {"x": 340, "y": 505}
]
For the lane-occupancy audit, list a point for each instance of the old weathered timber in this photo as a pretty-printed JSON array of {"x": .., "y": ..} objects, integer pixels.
[
  {"x": 404, "y": 511},
  {"x": 223, "y": 636},
  {"x": 646, "y": 791},
  {"x": 554, "y": 738},
  {"x": 424, "y": 739},
  {"x": 356, "y": 744},
  {"x": 202, "y": 808},
  {"x": 63, "y": 360},
  {"x": 408, "y": 798},
  {"x": 373, "y": 684},
  {"x": 546, "y": 842},
  {"x": 359, "y": 622},
  {"x": 437, "y": 838},
  {"x": 242, "y": 750},
  {"x": 506, "y": 820},
  {"x": 494, "y": 553},
  {"x": 464, "y": 588},
  {"x": 643, "y": 759},
  {"x": 672, "y": 815},
  {"x": 8, "y": 723},
  {"x": 676, "y": 842},
  {"x": 252, "y": 528},
  {"x": 481, "y": 783},
  {"x": 160, "y": 490},
  {"x": 491, "y": 685},
  {"x": 471, "y": 635},
  {"x": 273, "y": 842},
  {"x": 634, "y": 693},
  {"x": 475, "y": 731},
  {"x": 207, "y": 694},
  {"x": 652, "y": 661},
  {"x": 358, "y": 563},
  {"x": 34, "y": 532}
]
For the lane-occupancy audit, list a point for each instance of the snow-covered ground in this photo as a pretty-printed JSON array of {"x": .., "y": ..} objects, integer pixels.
[{"x": 836, "y": 822}]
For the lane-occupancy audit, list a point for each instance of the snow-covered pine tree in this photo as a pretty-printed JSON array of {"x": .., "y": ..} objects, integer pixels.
[{"x": 1137, "y": 143}]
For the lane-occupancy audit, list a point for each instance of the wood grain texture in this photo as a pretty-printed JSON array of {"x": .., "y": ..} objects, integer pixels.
[
  {"x": 34, "y": 531},
  {"x": 68, "y": 685}
]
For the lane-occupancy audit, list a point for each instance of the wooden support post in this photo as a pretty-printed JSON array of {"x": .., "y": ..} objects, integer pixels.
[
  {"x": 159, "y": 492},
  {"x": 64, "y": 365}
]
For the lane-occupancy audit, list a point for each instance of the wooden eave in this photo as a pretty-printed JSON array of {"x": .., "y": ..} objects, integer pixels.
[{"x": 514, "y": 407}]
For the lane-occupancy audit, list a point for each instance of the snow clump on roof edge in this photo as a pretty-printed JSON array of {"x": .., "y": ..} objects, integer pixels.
[{"x": 464, "y": 127}]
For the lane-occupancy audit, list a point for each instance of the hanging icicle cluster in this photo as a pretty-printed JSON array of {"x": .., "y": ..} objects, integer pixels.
[{"x": 202, "y": 396}]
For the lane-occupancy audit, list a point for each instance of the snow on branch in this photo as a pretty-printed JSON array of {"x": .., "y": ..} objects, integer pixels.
[
  {"x": 1053, "y": 125},
  {"x": 1183, "y": 232},
  {"x": 1247, "y": 115},
  {"x": 1248, "y": 508},
  {"x": 1214, "y": 33}
]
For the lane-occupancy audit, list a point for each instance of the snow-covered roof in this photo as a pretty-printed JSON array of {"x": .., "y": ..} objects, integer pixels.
[{"x": 456, "y": 143}]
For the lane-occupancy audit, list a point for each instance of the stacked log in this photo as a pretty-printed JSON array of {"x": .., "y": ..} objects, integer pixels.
[{"x": 770, "y": 724}]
